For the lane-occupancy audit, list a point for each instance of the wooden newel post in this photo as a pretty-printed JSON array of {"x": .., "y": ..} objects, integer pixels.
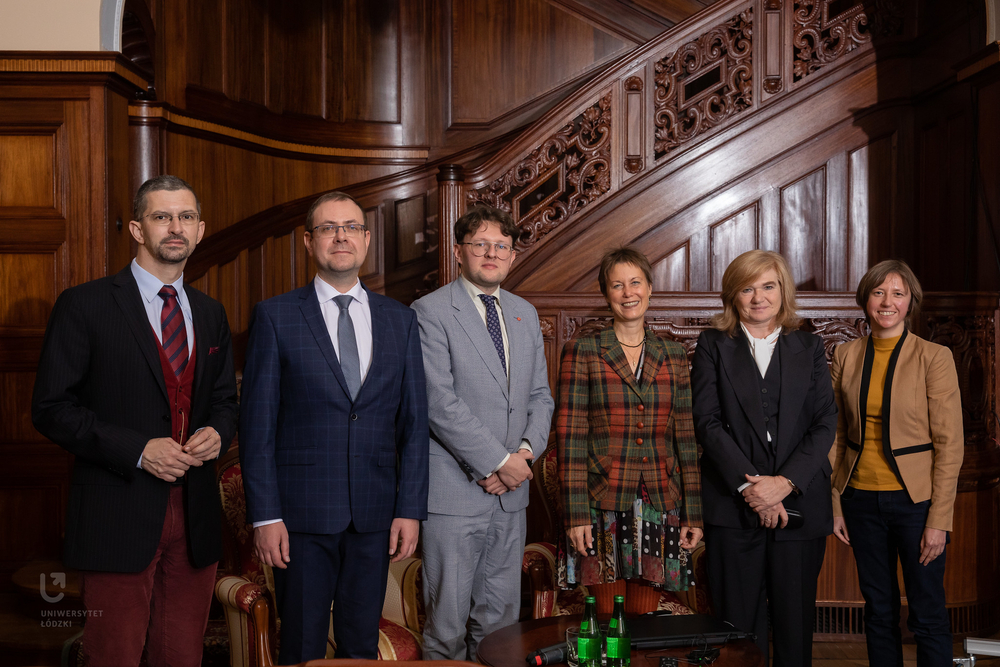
[{"x": 451, "y": 206}]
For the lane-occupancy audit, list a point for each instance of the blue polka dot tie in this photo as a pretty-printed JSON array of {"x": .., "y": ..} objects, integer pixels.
[{"x": 493, "y": 326}]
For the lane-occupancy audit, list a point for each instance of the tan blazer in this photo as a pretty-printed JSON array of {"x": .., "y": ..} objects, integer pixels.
[{"x": 925, "y": 422}]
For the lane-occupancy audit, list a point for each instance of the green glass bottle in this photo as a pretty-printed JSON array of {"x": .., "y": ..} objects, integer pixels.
[
  {"x": 589, "y": 643},
  {"x": 619, "y": 638}
]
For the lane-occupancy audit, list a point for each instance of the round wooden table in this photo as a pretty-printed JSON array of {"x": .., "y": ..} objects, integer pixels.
[{"x": 508, "y": 646}]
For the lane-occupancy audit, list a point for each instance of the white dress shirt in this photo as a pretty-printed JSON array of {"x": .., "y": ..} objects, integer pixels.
[
  {"x": 361, "y": 316},
  {"x": 474, "y": 293}
]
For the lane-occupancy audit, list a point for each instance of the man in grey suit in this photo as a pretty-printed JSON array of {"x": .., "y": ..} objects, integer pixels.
[{"x": 490, "y": 413}]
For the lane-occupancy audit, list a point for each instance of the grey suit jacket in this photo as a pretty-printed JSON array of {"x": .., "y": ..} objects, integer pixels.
[{"x": 476, "y": 416}]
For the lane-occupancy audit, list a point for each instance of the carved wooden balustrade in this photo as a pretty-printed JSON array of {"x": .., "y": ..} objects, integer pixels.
[
  {"x": 694, "y": 82},
  {"x": 967, "y": 323}
]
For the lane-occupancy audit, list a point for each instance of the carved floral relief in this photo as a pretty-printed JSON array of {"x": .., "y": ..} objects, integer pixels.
[
  {"x": 568, "y": 172},
  {"x": 703, "y": 83}
]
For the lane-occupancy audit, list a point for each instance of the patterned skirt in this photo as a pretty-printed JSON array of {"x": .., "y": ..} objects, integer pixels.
[{"x": 639, "y": 543}]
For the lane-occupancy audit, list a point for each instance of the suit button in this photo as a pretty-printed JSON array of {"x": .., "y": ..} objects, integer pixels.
[
  {"x": 354, "y": 417},
  {"x": 645, "y": 459},
  {"x": 765, "y": 419},
  {"x": 638, "y": 441},
  {"x": 764, "y": 404},
  {"x": 639, "y": 425},
  {"x": 641, "y": 408},
  {"x": 763, "y": 390}
]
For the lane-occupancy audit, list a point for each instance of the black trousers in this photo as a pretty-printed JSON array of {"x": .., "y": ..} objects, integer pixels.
[{"x": 750, "y": 573}]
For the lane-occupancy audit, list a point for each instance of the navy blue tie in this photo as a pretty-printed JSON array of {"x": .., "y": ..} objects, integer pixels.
[
  {"x": 493, "y": 326},
  {"x": 350, "y": 360}
]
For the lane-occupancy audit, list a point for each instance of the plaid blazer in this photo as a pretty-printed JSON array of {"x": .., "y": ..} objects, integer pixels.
[{"x": 611, "y": 430}]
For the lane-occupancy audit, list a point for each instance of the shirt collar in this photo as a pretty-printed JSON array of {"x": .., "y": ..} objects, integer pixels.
[
  {"x": 326, "y": 292},
  {"x": 150, "y": 285},
  {"x": 474, "y": 290},
  {"x": 770, "y": 339}
]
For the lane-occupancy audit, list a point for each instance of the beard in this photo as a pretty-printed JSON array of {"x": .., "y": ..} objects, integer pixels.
[{"x": 172, "y": 254}]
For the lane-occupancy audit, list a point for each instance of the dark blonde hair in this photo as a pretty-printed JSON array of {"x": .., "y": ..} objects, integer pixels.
[
  {"x": 742, "y": 272},
  {"x": 613, "y": 258},
  {"x": 877, "y": 275}
]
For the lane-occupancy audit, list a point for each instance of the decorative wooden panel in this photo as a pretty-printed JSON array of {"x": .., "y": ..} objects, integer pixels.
[
  {"x": 411, "y": 220},
  {"x": 508, "y": 52},
  {"x": 803, "y": 230},
  {"x": 296, "y": 50},
  {"x": 559, "y": 178},
  {"x": 27, "y": 170},
  {"x": 731, "y": 238},
  {"x": 372, "y": 76},
  {"x": 28, "y": 281},
  {"x": 704, "y": 83},
  {"x": 670, "y": 274}
]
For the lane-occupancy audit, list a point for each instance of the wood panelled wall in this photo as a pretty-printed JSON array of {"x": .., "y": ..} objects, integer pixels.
[{"x": 63, "y": 187}]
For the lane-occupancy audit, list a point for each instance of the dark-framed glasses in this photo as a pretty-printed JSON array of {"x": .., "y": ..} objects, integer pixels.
[
  {"x": 166, "y": 218},
  {"x": 326, "y": 231},
  {"x": 480, "y": 248}
]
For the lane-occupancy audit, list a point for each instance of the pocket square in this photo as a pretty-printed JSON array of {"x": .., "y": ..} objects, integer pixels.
[{"x": 213, "y": 350}]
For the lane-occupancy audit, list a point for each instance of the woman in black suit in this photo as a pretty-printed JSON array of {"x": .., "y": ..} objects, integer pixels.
[{"x": 764, "y": 412}]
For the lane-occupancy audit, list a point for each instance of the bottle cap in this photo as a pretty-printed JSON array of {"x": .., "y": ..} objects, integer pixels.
[
  {"x": 619, "y": 598},
  {"x": 590, "y": 598}
]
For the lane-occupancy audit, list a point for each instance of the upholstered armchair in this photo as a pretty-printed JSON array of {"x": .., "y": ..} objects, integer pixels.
[
  {"x": 247, "y": 591},
  {"x": 540, "y": 561}
]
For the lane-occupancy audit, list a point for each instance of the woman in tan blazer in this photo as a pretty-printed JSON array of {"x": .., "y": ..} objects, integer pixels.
[{"x": 896, "y": 461}]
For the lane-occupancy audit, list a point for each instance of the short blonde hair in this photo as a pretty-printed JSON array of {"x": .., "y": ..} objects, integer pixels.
[
  {"x": 742, "y": 272},
  {"x": 877, "y": 275}
]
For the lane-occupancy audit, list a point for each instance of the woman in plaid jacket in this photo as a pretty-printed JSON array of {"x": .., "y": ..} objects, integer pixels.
[{"x": 628, "y": 461}]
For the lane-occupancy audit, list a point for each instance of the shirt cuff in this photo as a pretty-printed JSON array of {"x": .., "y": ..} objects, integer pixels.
[
  {"x": 502, "y": 464},
  {"x": 258, "y": 524},
  {"x": 742, "y": 486},
  {"x": 525, "y": 445}
]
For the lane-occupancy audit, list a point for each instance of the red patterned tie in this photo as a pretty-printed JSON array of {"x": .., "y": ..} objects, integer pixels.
[{"x": 175, "y": 343}]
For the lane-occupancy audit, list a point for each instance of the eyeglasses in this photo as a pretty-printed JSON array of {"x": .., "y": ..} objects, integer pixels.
[
  {"x": 166, "y": 219},
  {"x": 480, "y": 248},
  {"x": 325, "y": 231}
]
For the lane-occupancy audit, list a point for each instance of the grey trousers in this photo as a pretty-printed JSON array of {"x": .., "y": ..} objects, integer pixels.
[{"x": 471, "y": 579}]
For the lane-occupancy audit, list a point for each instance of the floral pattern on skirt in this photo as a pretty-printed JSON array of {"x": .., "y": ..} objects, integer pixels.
[{"x": 639, "y": 543}]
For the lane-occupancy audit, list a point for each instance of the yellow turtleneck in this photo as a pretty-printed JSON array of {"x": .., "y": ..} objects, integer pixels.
[{"x": 873, "y": 472}]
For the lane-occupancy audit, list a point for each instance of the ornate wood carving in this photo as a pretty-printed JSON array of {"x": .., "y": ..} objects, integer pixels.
[
  {"x": 836, "y": 331},
  {"x": 819, "y": 38},
  {"x": 703, "y": 83},
  {"x": 972, "y": 340},
  {"x": 569, "y": 171}
]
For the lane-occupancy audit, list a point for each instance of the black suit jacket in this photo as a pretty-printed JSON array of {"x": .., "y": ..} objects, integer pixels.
[
  {"x": 100, "y": 394},
  {"x": 729, "y": 421}
]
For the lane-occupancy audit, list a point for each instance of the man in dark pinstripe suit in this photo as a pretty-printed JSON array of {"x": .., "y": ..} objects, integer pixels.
[{"x": 136, "y": 380}]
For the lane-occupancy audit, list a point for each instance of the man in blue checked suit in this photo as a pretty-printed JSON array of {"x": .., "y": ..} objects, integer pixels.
[{"x": 333, "y": 441}]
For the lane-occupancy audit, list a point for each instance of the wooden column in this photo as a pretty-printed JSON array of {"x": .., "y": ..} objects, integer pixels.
[{"x": 451, "y": 206}]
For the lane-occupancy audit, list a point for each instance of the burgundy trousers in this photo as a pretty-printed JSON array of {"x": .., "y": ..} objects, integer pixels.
[{"x": 164, "y": 607}]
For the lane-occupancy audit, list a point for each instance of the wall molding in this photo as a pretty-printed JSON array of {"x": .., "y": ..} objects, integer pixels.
[{"x": 105, "y": 62}]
